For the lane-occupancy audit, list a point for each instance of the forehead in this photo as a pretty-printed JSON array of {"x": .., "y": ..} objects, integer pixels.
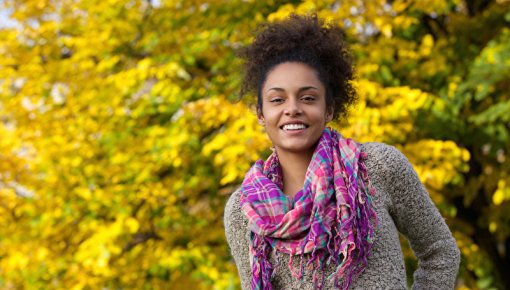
[{"x": 292, "y": 74}]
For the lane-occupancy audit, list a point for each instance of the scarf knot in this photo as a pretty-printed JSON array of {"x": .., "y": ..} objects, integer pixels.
[{"x": 332, "y": 218}]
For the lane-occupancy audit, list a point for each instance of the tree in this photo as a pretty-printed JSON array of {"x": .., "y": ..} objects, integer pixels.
[{"x": 120, "y": 139}]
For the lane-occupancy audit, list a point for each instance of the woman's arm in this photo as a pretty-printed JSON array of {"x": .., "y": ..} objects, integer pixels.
[
  {"x": 237, "y": 237},
  {"x": 419, "y": 220}
]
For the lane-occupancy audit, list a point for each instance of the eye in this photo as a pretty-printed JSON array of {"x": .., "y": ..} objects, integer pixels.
[
  {"x": 308, "y": 98},
  {"x": 276, "y": 100}
]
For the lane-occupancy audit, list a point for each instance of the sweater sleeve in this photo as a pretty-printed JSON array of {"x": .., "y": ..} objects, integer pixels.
[
  {"x": 237, "y": 236},
  {"x": 418, "y": 219}
]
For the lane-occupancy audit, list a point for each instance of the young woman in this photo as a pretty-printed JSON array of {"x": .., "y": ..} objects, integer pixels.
[{"x": 324, "y": 211}]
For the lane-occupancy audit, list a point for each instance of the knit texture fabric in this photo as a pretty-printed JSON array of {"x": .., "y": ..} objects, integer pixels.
[
  {"x": 331, "y": 218},
  {"x": 402, "y": 205}
]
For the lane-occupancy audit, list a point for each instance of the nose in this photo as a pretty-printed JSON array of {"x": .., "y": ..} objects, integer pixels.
[{"x": 293, "y": 108}]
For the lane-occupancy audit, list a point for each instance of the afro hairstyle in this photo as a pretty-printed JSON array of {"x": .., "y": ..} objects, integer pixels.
[{"x": 305, "y": 39}]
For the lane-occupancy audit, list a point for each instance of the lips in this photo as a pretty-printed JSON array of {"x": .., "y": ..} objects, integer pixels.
[{"x": 293, "y": 126}]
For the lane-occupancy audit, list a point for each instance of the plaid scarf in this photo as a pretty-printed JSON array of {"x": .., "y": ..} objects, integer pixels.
[{"x": 331, "y": 218}]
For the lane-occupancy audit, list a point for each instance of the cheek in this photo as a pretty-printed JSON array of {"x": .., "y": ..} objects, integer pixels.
[
  {"x": 270, "y": 116},
  {"x": 320, "y": 114}
]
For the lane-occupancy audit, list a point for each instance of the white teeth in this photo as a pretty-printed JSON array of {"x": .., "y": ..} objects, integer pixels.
[{"x": 294, "y": 127}]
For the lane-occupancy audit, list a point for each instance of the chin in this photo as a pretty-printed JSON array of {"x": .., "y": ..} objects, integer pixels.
[{"x": 297, "y": 148}]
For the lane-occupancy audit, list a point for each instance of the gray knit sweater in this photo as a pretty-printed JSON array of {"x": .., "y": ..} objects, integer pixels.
[{"x": 402, "y": 205}]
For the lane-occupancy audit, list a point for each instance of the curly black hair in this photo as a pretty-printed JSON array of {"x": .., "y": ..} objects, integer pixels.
[{"x": 306, "y": 39}]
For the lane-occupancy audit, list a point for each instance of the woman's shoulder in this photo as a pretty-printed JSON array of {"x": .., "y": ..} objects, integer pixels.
[
  {"x": 238, "y": 236},
  {"x": 387, "y": 165},
  {"x": 233, "y": 216},
  {"x": 385, "y": 157},
  {"x": 232, "y": 204},
  {"x": 380, "y": 150}
]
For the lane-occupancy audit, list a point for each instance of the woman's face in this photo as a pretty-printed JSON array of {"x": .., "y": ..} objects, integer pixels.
[{"x": 294, "y": 108}]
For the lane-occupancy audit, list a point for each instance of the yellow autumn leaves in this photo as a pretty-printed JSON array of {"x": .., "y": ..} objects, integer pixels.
[{"x": 120, "y": 136}]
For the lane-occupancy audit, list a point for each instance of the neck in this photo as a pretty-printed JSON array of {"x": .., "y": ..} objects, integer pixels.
[{"x": 294, "y": 166}]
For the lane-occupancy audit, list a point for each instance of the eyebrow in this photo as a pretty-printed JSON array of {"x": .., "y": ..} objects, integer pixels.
[{"x": 300, "y": 89}]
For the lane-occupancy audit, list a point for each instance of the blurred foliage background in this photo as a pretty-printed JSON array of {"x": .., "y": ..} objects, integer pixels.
[{"x": 120, "y": 140}]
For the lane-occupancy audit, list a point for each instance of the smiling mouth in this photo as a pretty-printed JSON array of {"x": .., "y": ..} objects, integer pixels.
[{"x": 291, "y": 127}]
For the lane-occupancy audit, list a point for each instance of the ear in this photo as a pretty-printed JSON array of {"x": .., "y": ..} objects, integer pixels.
[
  {"x": 260, "y": 117},
  {"x": 329, "y": 115}
]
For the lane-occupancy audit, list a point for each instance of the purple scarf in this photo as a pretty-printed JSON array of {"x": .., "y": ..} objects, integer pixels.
[{"x": 331, "y": 218}]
